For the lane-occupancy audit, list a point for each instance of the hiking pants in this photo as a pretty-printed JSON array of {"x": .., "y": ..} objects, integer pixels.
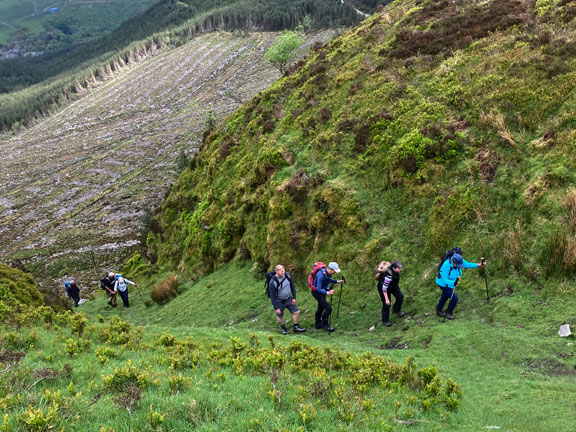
[
  {"x": 399, "y": 300},
  {"x": 75, "y": 295},
  {"x": 124, "y": 297},
  {"x": 324, "y": 310},
  {"x": 446, "y": 294}
]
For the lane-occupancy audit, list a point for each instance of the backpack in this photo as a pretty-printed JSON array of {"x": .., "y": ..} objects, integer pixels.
[
  {"x": 271, "y": 275},
  {"x": 381, "y": 268},
  {"x": 67, "y": 288},
  {"x": 318, "y": 266},
  {"x": 448, "y": 255}
]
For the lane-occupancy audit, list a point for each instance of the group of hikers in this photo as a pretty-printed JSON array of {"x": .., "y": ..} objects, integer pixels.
[
  {"x": 114, "y": 284},
  {"x": 280, "y": 287}
]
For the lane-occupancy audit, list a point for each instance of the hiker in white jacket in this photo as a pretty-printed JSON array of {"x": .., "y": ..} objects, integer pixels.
[{"x": 122, "y": 289}]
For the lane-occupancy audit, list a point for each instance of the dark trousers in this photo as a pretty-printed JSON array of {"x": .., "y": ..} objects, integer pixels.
[
  {"x": 124, "y": 297},
  {"x": 399, "y": 299},
  {"x": 324, "y": 310},
  {"x": 447, "y": 294},
  {"x": 75, "y": 295}
]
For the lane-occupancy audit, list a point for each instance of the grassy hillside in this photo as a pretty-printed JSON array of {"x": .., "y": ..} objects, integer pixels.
[
  {"x": 69, "y": 373},
  {"x": 420, "y": 129}
]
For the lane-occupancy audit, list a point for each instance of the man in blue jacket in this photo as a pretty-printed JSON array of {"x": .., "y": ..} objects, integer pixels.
[
  {"x": 320, "y": 291},
  {"x": 447, "y": 280}
]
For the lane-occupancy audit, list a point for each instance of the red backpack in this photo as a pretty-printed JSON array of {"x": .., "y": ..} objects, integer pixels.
[{"x": 318, "y": 266}]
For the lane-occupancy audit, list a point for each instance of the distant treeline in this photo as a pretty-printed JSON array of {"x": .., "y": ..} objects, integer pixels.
[{"x": 31, "y": 86}]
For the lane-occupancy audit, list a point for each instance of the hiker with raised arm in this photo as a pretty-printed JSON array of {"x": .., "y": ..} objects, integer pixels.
[
  {"x": 447, "y": 279},
  {"x": 283, "y": 296},
  {"x": 318, "y": 280},
  {"x": 107, "y": 284},
  {"x": 388, "y": 285},
  {"x": 121, "y": 287}
]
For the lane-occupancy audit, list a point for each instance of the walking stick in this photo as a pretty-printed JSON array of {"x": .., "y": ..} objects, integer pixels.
[
  {"x": 455, "y": 284},
  {"x": 340, "y": 296},
  {"x": 483, "y": 261}
]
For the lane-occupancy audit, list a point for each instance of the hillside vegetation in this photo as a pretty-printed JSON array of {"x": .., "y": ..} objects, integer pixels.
[
  {"x": 15, "y": 285},
  {"x": 430, "y": 124}
]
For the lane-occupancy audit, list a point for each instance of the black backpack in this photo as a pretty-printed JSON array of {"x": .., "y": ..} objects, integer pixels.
[
  {"x": 448, "y": 255},
  {"x": 269, "y": 276}
]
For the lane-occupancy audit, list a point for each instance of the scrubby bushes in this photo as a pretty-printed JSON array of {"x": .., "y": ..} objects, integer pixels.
[{"x": 165, "y": 290}]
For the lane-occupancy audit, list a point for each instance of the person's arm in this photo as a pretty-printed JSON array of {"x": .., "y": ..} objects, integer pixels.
[
  {"x": 385, "y": 284},
  {"x": 319, "y": 281},
  {"x": 129, "y": 282},
  {"x": 292, "y": 288},
  {"x": 469, "y": 264},
  {"x": 272, "y": 289}
]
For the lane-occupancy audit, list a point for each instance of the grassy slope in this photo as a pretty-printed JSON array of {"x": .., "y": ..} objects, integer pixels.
[{"x": 508, "y": 368}]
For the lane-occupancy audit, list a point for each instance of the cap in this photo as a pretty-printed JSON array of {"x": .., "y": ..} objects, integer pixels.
[
  {"x": 457, "y": 261},
  {"x": 334, "y": 266}
]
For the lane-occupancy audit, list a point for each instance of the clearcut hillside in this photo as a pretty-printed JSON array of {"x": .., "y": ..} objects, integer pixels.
[{"x": 84, "y": 181}]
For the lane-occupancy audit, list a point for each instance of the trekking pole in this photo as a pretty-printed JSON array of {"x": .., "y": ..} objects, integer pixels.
[
  {"x": 483, "y": 261},
  {"x": 340, "y": 297},
  {"x": 455, "y": 284}
]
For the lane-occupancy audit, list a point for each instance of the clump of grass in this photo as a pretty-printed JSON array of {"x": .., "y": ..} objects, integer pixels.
[{"x": 166, "y": 290}]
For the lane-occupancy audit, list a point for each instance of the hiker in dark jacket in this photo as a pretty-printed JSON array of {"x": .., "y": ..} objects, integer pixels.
[
  {"x": 73, "y": 291},
  {"x": 107, "y": 284},
  {"x": 320, "y": 291},
  {"x": 283, "y": 296},
  {"x": 388, "y": 284},
  {"x": 447, "y": 280}
]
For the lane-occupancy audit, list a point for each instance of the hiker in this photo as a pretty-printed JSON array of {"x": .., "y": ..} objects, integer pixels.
[
  {"x": 107, "y": 284},
  {"x": 320, "y": 290},
  {"x": 121, "y": 288},
  {"x": 447, "y": 280},
  {"x": 283, "y": 296},
  {"x": 388, "y": 284},
  {"x": 73, "y": 291}
]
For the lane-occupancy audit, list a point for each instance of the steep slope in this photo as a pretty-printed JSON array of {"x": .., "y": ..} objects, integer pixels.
[
  {"x": 429, "y": 124},
  {"x": 83, "y": 180}
]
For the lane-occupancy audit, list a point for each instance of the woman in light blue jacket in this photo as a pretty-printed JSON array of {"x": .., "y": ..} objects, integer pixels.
[{"x": 447, "y": 279}]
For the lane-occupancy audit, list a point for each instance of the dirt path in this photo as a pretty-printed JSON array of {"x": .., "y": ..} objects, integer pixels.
[{"x": 84, "y": 179}]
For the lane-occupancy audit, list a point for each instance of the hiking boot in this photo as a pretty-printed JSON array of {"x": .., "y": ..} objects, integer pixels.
[
  {"x": 284, "y": 330},
  {"x": 329, "y": 329},
  {"x": 114, "y": 305},
  {"x": 440, "y": 313},
  {"x": 400, "y": 314},
  {"x": 387, "y": 324},
  {"x": 449, "y": 315},
  {"x": 298, "y": 329}
]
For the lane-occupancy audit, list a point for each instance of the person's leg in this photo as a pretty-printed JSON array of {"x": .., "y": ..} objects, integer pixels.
[
  {"x": 326, "y": 313},
  {"x": 452, "y": 305},
  {"x": 383, "y": 300},
  {"x": 76, "y": 296},
  {"x": 446, "y": 293},
  {"x": 280, "y": 317},
  {"x": 295, "y": 317},
  {"x": 398, "y": 302},
  {"x": 320, "y": 310}
]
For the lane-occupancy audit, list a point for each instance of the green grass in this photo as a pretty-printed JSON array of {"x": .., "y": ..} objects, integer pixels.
[{"x": 505, "y": 353}]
